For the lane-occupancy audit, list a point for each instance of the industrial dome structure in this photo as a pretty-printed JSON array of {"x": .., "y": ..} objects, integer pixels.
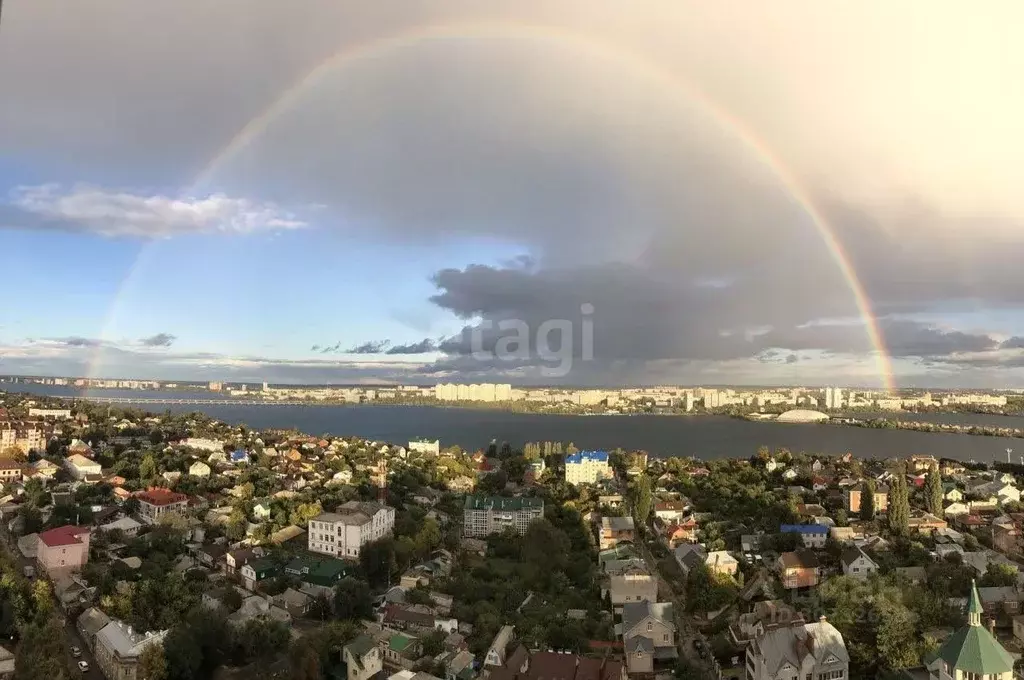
[{"x": 801, "y": 415}]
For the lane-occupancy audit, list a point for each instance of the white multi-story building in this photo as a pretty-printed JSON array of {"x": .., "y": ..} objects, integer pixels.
[
  {"x": 425, "y": 446},
  {"x": 50, "y": 412},
  {"x": 343, "y": 533},
  {"x": 834, "y": 397},
  {"x": 213, "y": 445},
  {"x": 486, "y": 392},
  {"x": 587, "y": 467},
  {"x": 799, "y": 650},
  {"x": 483, "y": 515}
]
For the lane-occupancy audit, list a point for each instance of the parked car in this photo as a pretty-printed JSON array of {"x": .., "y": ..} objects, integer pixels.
[
  {"x": 30, "y": 572},
  {"x": 83, "y": 666},
  {"x": 76, "y": 652}
]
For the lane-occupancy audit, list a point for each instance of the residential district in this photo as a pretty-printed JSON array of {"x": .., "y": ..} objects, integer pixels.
[
  {"x": 140, "y": 546},
  {"x": 622, "y": 400}
]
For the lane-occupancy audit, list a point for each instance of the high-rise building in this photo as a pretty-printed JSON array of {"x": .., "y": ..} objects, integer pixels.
[
  {"x": 484, "y": 515},
  {"x": 587, "y": 467}
]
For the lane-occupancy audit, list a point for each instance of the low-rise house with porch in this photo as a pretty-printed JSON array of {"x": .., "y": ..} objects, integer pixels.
[
  {"x": 798, "y": 569},
  {"x": 362, "y": 658},
  {"x": 648, "y": 635},
  {"x": 857, "y": 563}
]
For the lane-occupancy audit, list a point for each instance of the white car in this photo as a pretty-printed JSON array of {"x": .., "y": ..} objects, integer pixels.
[{"x": 83, "y": 666}]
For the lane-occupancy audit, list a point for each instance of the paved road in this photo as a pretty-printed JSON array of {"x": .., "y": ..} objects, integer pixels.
[{"x": 72, "y": 638}]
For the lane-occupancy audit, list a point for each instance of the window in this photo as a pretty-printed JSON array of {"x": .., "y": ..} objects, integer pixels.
[{"x": 650, "y": 626}]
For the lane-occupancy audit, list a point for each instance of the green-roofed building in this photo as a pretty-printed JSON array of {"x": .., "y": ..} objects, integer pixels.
[
  {"x": 321, "y": 572},
  {"x": 971, "y": 653},
  {"x": 484, "y": 515}
]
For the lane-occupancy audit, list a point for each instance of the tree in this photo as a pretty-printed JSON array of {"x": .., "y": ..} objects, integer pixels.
[
  {"x": 13, "y": 453},
  {"x": 377, "y": 559},
  {"x": 867, "y": 500},
  {"x": 899, "y": 506},
  {"x": 152, "y": 664},
  {"x": 428, "y": 537},
  {"x": 41, "y": 655},
  {"x": 147, "y": 468},
  {"x": 999, "y": 575},
  {"x": 641, "y": 500},
  {"x": 353, "y": 600},
  {"x": 933, "y": 492}
]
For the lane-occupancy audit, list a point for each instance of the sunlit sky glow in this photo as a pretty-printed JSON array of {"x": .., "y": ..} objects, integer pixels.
[{"x": 239, "y": 191}]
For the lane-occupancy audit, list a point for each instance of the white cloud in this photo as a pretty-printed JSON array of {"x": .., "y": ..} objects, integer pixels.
[{"x": 110, "y": 213}]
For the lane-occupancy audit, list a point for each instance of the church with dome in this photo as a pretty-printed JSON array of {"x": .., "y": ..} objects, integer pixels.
[{"x": 971, "y": 653}]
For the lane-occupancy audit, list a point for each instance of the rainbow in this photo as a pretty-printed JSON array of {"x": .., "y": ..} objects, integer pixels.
[{"x": 666, "y": 80}]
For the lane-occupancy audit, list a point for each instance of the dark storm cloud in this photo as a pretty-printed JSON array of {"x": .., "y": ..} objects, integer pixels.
[
  {"x": 422, "y": 347},
  {"x": 792, "y": 359},
  {"x": 372, "y": 347},
  {"x": 1016, "y": 342},
  {"x": 159, "y": 340}
]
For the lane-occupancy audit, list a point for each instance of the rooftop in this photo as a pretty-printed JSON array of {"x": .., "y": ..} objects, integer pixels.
[
  {"x": 503, "y": 503},
  {"x": 587, "y": 456},
  {"x": 160, "y": 496},
  {"x": 65, "y": 535}
]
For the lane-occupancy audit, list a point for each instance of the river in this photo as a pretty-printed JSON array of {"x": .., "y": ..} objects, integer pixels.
[{"x": 702, "y": 436}]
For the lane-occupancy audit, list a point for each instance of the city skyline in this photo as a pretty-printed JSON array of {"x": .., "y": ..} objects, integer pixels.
[{"x": 351, "y": 196}]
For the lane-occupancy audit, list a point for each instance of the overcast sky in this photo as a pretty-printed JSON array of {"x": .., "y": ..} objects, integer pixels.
[{"x": 343, "y": 191}]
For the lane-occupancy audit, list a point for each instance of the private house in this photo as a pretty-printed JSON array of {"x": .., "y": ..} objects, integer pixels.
[
  {"x": 648, "y": 635},
  {"x": 854, "y": 494},
  {"x": 689, "y": 556},
  {"x": 857, "y": 564},
  {"x": 925, "y": 523},
  {"x": 234, "y": 560},
  {"x": 798, "y": 569},
  {"x": 560, "y": 666},
  {"x": 683, "y": 532},
  {"x": 766, "y": 615},
  {"x": 996, "y": 600},
  {"x": 800, "y": 650},
  {"x": 295, "y": 602},
  {"x": 126, "y": 525},
  {"x": 318, "y": 574},
  {"x": 258, "y": 608},
  {"x": 402, "y": 651},
  {"x": 199, "y": 469},
  {"x": 44, "y": 468},
  {"x": 362, "y": 658},
  {"x": 343, "y": 533},
  {"x": 615, "y": 530},
  {"x": 496, "y": 653},
  {"x": 63, "y": 550},
  {"x": 80, "y": 467},
  {"x": 812, "y": 535},
  {"x": 631, "y": 582},
  {"x": 157, "y": 502},
  {"x": 10, "y": 471},
  {"x": 256, "y": 571},
  {"x": 971, "y": 653},
  {"x": 957, "y": 508},
  {"x": 1006, "y": 535},
  {"x": 721, "y": 562},
  {"x": 671, "y": 512},
  {"x": 239, "y": 456},
  {"x": 261, "y": 510},
  {"x": 954, "y": 495},
  {"x": 118, "y": 649},
  {"x": 89, "y": 624}
]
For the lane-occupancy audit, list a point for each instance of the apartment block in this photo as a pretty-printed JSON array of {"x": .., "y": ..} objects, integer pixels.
[{"x": 483, "y": 515}]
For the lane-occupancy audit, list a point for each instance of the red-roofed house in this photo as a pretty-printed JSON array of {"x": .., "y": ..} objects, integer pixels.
[
  {"x": 63, "y": 549},
  {"x": 157, "y": 502}
]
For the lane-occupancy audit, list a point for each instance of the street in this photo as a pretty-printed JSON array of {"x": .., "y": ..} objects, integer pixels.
[
  {"x": 72, "y": 638},
  {"x": 686, "y": 632}
]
